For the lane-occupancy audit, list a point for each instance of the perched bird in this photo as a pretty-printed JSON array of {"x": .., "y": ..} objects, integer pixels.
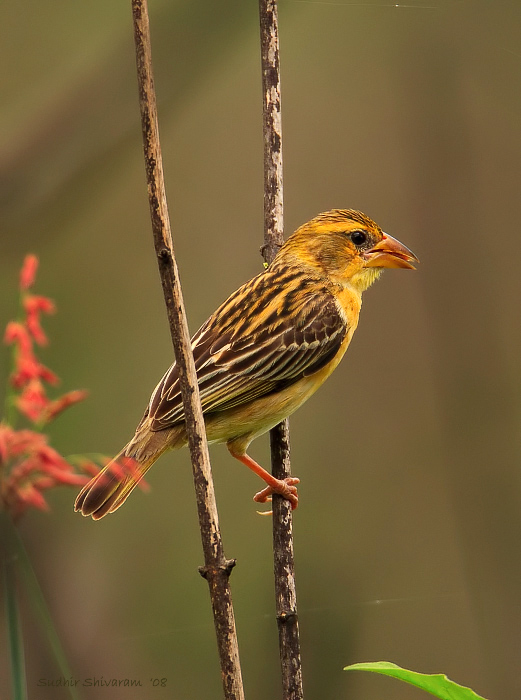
[{"x": 264, "y": 352}]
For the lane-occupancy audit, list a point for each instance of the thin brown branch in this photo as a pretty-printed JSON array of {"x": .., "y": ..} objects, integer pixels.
[
  {"x": 284, "y": 565},
  {"x": 217, "y": 568}
]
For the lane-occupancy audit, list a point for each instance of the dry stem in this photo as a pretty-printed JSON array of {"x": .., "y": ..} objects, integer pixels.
[
  {"x": 284, "y": 566},
  {"x": 217, "y": 568}
]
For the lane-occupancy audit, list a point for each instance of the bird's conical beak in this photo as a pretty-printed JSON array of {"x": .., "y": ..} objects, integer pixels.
[{"x": 390, "y": 253}]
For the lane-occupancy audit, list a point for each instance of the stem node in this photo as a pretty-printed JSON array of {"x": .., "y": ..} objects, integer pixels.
[{"x": 213, "y": 571}]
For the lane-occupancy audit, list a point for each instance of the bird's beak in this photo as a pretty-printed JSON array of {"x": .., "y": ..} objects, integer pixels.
[{"x": 390, "y": 253}]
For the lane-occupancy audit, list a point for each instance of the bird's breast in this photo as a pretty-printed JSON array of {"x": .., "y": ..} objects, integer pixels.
[{"x": 252, "y": 419}]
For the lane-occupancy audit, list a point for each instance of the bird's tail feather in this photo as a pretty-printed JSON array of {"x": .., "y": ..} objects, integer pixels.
[{"x": 109, "y": 489}]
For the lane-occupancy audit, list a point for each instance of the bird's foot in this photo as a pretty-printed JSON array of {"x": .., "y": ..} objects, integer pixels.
[{"x": 284, "y": 487}]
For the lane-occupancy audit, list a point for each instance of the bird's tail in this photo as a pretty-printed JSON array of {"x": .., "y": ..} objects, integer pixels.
[{"x": 109, "y": 489}]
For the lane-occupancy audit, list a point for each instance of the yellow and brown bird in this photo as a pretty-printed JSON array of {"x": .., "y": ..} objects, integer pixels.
[{"x": 264, "y": 352}]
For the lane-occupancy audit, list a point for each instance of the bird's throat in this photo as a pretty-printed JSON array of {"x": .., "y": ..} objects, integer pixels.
[{"x": 363, "y": 279}]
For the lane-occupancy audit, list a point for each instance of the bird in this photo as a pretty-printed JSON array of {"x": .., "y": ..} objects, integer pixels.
[{"x": 263, "y": 352}]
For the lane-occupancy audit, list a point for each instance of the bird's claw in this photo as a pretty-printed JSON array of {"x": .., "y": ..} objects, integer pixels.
[{"x": 284, "y": 487}]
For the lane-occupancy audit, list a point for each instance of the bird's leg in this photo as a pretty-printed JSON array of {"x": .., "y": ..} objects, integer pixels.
[{"x": 285, "y": 487}]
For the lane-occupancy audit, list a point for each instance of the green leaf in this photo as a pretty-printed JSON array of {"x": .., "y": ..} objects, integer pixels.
[{"x": 437, "y": 683}]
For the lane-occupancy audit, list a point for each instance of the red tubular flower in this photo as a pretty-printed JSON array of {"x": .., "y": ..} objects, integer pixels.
[
  {"x": 17, "y": 333},
  {"x": 29, "y": 497},
  {"x": 35, "y": 303},
  {"x": 28, "y": 272},
  {"x": 34, "y": 306},
  {"x": 54, "y": 408},
  {"x": 28, "y": 368},
  {"x": 52, "y": 460},
  {"x": 33, "y": 400},
  {"x": 47, "y": 375}
]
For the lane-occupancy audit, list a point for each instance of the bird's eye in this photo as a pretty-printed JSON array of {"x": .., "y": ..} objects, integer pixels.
[{"x": 359, "y": 238}]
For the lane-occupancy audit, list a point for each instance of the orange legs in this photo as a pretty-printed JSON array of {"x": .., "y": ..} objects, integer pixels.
[{"x": 285, "y": 487}]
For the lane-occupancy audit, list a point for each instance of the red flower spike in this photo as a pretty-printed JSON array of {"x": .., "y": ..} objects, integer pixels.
[
  {"x": 28, "y": 272},
  {"x": 28, "y": 465}
]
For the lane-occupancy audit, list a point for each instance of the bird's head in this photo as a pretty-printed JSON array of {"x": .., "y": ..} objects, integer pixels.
[{"x": 346, "y": 247}]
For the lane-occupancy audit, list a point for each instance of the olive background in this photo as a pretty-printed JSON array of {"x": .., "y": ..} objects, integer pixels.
[{"x": 407, "y": 536}]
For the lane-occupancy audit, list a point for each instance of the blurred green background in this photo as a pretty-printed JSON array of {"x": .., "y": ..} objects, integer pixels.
[{"x": 407, "y": 539}]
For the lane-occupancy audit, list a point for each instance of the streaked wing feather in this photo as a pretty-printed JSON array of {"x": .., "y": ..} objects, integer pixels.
[{"x": 273, "y": 331}]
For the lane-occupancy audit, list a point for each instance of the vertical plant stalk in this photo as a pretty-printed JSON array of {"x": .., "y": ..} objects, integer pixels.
[
  {"x": 217, "y": 568},
  {"x": 16, "y": 557},
  {"x": 12, "y": 614},
  {"x": 284, "y": 564}
]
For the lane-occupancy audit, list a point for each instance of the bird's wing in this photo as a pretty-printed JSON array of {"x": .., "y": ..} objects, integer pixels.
[{"x": 276, "y": 329}]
